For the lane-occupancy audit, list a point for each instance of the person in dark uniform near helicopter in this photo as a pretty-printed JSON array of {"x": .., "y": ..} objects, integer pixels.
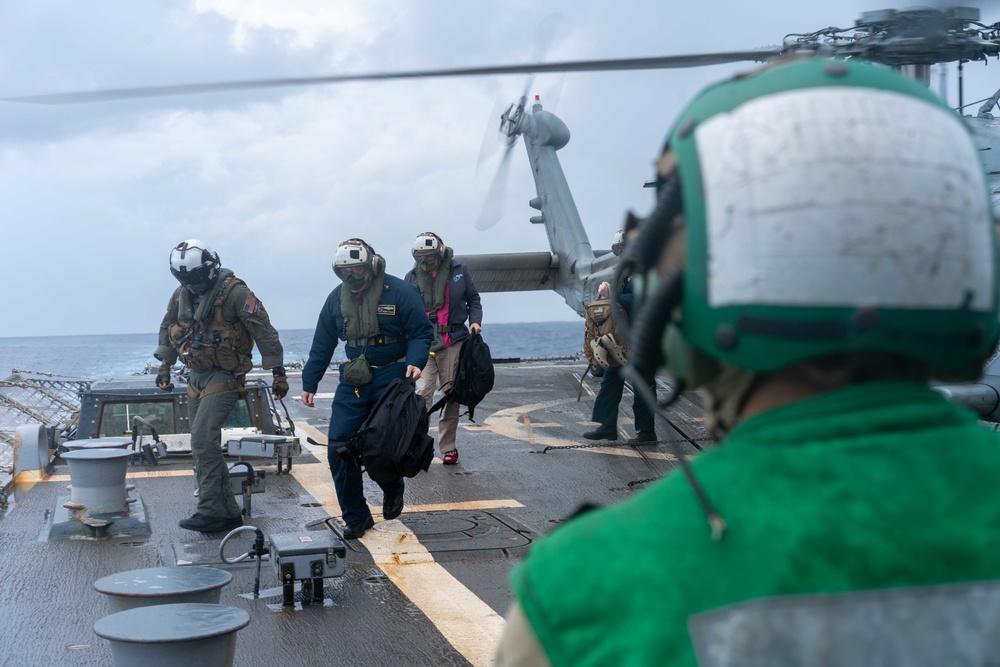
[
  {"x": 609, "y": 396},
  {"x": 450, "y": 298},
  {"x": 211, "y": 325},
  {"x": 387, "y": 335},
  {"x": 850, "y": 515}
]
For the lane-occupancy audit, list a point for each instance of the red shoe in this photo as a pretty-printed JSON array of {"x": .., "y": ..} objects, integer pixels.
[{"x": 451, "y": 458}]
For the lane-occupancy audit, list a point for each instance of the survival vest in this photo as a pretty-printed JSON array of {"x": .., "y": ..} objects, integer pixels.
[
  {"x": 393, "y": 441},
  {"x": 224, "y": 344},
  {"x": 603, "y": 344},
  {"x": 474, "y": 376}
]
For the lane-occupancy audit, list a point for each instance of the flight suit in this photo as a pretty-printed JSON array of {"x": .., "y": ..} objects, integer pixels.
[
  {"x": 207, "y": 413},
  {"x": 408, "y": 335}
]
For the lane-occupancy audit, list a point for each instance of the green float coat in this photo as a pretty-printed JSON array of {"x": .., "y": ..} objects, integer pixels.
[{"x": 873, "y": 486}]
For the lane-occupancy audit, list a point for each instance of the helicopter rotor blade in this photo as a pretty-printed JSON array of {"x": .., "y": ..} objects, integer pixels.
[
  {"x": 545, "y": 34},
  {"x": 492, "y": 209},
  {"x": 607, "y": 65},
  {"x": 490, "y": 144},
  {"x": 493, "y": 206},
  {"x": 554, "y": 92}
]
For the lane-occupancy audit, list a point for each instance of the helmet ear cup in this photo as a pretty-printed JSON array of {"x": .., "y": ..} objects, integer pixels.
[{"x": 378, "y": 263}]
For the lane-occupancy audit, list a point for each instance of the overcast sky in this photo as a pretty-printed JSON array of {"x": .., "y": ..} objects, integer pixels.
[{"x": 94, "y": 196}]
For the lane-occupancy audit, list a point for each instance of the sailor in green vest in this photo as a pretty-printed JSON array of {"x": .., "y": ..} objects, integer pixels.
[
  {"x": 821, "y": 249},
  {"x": 211, "y": 325}
]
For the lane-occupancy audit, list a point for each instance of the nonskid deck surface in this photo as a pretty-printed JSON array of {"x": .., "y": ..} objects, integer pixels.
[{"x": 429, "y": 588}]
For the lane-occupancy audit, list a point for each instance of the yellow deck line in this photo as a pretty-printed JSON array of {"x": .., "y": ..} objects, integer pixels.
[
  {"x": 468, "y": 623},
  {"x": 134, "y": 474}
]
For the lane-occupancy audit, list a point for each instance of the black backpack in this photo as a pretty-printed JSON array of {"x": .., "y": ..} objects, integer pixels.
[
  {"x": 393, "y": 441},
  {"x": 474, "y": 376}
]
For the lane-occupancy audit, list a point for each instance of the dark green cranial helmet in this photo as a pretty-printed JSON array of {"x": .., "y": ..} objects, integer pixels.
[{"x": 818, "y": 207}]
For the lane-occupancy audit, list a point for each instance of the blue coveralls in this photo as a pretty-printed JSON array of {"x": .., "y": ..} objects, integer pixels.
[
  {"x": 613, "y": 384},
  {"x": 400, "y": 315}
]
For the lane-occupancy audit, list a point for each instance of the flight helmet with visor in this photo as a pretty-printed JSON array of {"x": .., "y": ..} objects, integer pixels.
[
  {"x": 195, "y": 265},
  {"x": 354, "y": 264},
  {"x": 428, "y": 250}
]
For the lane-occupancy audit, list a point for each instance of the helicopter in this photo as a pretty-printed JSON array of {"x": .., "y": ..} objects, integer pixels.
[{"x": 909, "y": 40}]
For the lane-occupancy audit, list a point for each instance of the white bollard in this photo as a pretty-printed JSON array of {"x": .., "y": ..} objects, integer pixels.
[{"x": 31, "y": 449}]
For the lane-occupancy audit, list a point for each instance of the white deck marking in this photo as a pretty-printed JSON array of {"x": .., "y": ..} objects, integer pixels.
[
  {"x": 468, "y": 623},
  {"x": 507, "y": 423},
  {"x": 467, "y": 505}
]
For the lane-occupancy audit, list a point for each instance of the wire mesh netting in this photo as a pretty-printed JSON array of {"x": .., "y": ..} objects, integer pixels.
[{"x": 31, "y": 397}]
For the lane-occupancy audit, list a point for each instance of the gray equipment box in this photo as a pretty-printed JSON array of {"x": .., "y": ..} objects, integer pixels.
[
  {"x": 238, "y": 475},
  {"x": 312, "y": 555},
  {"x": 265, "y": 446}
]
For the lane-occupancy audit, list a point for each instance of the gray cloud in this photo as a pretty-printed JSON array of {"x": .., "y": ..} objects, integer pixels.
[{"x": 92, "y": 197}]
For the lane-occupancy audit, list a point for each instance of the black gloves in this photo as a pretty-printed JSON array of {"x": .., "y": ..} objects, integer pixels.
[
  {"x": 163, "y": 378},
  {"x": 279, "y": 387}
]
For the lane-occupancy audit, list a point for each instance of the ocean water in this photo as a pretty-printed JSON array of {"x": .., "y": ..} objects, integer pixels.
[{"x": 95, "y": 357}]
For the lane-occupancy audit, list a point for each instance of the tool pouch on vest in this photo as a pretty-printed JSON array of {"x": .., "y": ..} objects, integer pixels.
[
  {"x": 231, "y": 355},
  {"x": 176, "y": 332},
  {"x": 357, "y": 371}
]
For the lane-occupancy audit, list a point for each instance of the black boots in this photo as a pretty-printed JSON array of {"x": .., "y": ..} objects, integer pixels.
[
  {"x": 211, "y": 524},
  {"x": 392, "y": 505},
  {"x": 356, "y": 529},
  {"x": 605, "y": 432}
]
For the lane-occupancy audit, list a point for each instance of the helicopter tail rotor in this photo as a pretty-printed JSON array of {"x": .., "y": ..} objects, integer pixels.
[{"x": 510, "y": 128}]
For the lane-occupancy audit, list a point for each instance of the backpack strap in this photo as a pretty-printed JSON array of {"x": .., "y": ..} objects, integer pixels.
[
  {"x": 583, "y": 377},
  {"x": 444, "y": 400}
]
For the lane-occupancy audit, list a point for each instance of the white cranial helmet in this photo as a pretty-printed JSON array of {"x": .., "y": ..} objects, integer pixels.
[
  {"x": 618, "y": 242},
  {"x": 193, "y": 263},
  {"x": 427, "y": 246}
]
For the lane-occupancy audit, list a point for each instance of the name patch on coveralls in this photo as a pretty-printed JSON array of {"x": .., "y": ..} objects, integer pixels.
[{"x": 385, "y": 309}]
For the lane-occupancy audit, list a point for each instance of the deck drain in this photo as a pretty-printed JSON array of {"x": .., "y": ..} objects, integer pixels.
[
  {"x": 377, "y": 580},
  {"x": 132, "y": 544},
  {"x": 463, "y": 472},
  {"x": 312, "y": 505}
]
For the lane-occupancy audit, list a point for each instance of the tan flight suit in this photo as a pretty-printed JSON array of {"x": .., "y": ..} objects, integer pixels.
[{"x": 207, "y": 413}]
